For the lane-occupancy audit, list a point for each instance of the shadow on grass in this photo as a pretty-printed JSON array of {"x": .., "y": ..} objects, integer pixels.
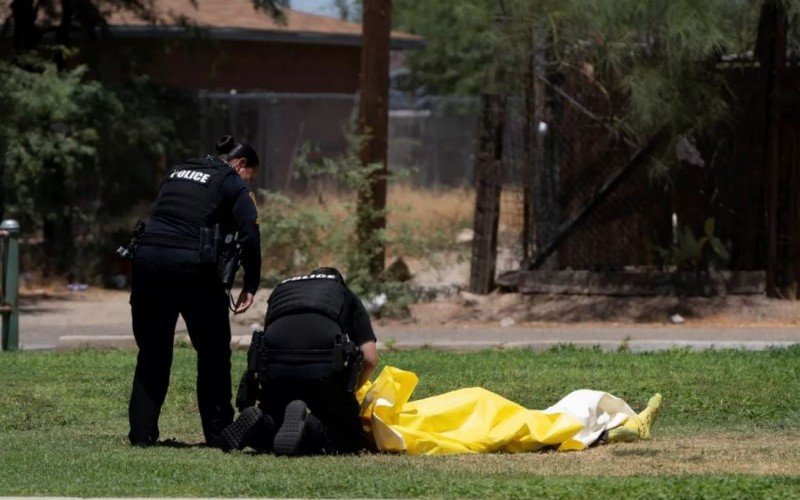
[{"x": 174, "y": 443}]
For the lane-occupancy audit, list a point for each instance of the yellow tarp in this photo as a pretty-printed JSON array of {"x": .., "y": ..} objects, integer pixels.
[{"x": 471, "y": 420}]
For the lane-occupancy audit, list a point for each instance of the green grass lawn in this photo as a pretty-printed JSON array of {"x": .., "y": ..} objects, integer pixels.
[{"x": 63, "y": 425}]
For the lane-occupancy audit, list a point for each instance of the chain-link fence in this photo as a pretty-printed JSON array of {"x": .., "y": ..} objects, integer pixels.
[
  {"x": 433, "y": 141},
  {"x": 586, "y": 201},
  {"x": 586, "y": 156},
  {"x": 601, "y": 203}
]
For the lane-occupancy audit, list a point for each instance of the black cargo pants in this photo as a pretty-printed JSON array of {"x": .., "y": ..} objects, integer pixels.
[
  {"x": 334, "y": 426},
  {"x": 167, "y": 282}
]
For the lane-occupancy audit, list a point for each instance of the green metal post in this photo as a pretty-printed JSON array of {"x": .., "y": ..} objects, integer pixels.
[{"x": 10, "y": 340}]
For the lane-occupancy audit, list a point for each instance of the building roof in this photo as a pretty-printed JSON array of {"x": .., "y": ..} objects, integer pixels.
[{"x": 239, "y": 20}]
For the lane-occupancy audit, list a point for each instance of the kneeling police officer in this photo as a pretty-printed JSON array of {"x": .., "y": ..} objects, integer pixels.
[
  {"x": 316, "y": 350},
  {"x": 176, "y": 271}
]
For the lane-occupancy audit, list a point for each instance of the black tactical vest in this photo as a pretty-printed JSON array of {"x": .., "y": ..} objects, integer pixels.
[
  {"x": 320, "y": 293},
  {"x": 190, "y": 191}
]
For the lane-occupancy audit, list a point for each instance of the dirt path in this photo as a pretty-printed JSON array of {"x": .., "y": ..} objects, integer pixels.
[
  {"x": 476, "y": 322},
  {"x": 742, "y": 310}
]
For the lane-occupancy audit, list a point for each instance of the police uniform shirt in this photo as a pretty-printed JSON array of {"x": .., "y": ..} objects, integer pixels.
[
  {"x": 237, "y": 213},
  {"x": 318, "y": 329}
]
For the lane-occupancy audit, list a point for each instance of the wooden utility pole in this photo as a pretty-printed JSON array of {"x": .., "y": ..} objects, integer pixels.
[
  {"x": 782, "y": 281},
  {"x": 532, "y": 143},
  {"x": 373, "y": 125},
  {"x": 545, "y": 208},
  {"x": 488, "y": 184},
  {"x": 26, "y": 36}
]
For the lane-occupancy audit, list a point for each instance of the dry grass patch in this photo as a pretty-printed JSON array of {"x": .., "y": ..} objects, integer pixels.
[
  {"x": 723, "y": 454},
  {"x": 431, "y": 209}
]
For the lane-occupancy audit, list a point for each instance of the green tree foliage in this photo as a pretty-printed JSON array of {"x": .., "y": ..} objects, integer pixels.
[
  {"x": 461, "y": 37},
  {"x": 77, "y": 152},
  {"x": 51, "y": 133},
  {"x": 661, "y": 55},
  {"x": 297, "y": 235},
  {"x": 348, "y": 10},
  {"x": 274, "y": 8}
]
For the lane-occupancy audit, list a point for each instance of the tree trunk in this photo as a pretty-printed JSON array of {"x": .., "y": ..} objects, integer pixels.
[
  {"x": 2, "y": 176},
  {"x": 26, "y": 35},
  {"x": 488, "y": 185},
  {"x": 533, "y": 145},
  {"x": 771, "y": 54},
  {"x": 373, "y": 127},
  {"x": 57, "y": 240},
  {"x": 528, "y": 154},
  {"x": 58, "y": 245},
  {"x": 62, "y": 32},
  {"x": 546, "y": 209},
  {"x": 2, "y": 193}
]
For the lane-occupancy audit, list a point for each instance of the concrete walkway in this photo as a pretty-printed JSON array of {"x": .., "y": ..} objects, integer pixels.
[{"x": 103, "y": 320}]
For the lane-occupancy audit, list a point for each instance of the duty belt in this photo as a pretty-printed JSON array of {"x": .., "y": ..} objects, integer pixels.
[
  {"x": 344, "y": 358},
  {"x": 336, "y": 358},
  {"x": 300, "y": 355},
  {"x": 340, "y": 356},
  {"x": 169, "y": 241}
]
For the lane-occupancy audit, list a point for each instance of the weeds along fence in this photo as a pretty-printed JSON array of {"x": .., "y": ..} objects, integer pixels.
[{"x": 433, "y": 141}]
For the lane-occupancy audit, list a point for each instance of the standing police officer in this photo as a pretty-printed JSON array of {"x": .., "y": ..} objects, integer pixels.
[
  {"x": 317, "y": 349},
  {"x": 175, "y": 272}
]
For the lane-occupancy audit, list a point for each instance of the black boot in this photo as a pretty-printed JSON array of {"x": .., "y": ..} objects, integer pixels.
[
  {"x": 243, "y": 430},
  {"x": 289, "y": 438}
]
